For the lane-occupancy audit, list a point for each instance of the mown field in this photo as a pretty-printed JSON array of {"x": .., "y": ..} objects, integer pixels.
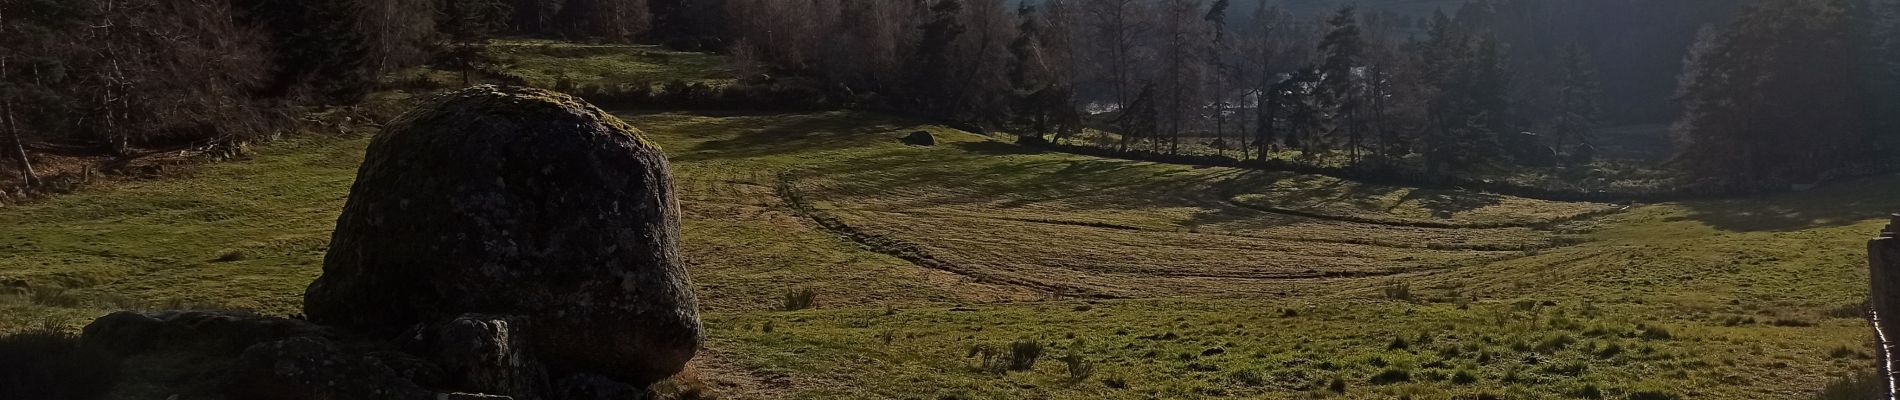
[{"x": 933, "y": 271}]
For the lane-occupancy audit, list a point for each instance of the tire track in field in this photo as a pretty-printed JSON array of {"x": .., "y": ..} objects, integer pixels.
[
  {"x": 1546, "y": 225},
  {"x": 1554, "y": 243},
  {"x": 913, "y": 253}
]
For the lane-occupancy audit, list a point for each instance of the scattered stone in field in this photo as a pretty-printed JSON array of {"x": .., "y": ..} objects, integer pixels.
[
  {"x": 518, "y": 202},
  {"x": 921, "y": 138}
]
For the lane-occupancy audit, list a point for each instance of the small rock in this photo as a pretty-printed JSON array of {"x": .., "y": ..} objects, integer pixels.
[{"x": 920, "y": 138}]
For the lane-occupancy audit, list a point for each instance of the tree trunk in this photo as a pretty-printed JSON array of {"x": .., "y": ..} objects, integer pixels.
[
  {"x": 8, "y": 125},
  {"x": 1268, "y": 123},
  {"x": 1379, "y": 92}
]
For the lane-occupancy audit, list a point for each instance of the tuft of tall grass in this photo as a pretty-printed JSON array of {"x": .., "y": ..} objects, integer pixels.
[
  {"x": 1079, "y": 368},
  {"x": 799, "y": 299},
  {"x": 1400, "y": 291},
  {"x": 1864, "y": 385}
]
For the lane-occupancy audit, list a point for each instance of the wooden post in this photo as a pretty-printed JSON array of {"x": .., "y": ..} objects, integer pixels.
[{"x": 1883, "y": 266}]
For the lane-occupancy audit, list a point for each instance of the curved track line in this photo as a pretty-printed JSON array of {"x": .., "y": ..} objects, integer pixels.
[{"x": 911, "y": 252}]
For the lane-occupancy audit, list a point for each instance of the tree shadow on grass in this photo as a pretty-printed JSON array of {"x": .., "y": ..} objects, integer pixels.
[
  {"x": 1444, "y": 204},
  {"x": 1002, "y": 175},
  {"x": 996, "y": 148},
  {"x": 1834, "y": 205},
  {"x": 1308, "y": 197},
  {"x": 803, "y": 133}
]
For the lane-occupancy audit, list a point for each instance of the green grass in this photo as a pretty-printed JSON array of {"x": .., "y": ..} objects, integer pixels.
[
  {"x": 546, "y": 63},
  {"x": 1148, "y": 273},
  {"x": 1249, "y": 349},
  {"x": 151, "y": 243}
]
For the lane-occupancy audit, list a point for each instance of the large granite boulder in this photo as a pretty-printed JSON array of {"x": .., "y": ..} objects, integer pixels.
[{"x": 524, "y": 203}]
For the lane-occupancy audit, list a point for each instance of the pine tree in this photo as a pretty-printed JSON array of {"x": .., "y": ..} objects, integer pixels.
[
  {"x": 616, "y": 21},
  {"x": 1180, "y": 33},
  {"x": 1486, "y": 88},
  {"x": 1119, "y": 26},
  {"x": 1023, "y": 50},
  {"x": 1269, "y": 87},
  {"x": 1030, "y": 95},
  {"x": 1339, "y": 87},
  {"x": 1441, "y": 57},
  {"x": 468, "y": 24},
  {"x": 317, "y": 46},
  {"x": 1216, "y": 50},
  {"x": 534, "y": 17},
  {"x": 1882, "y": 45},
  {"x": 931, "y": 81},
  {"x": 1754, "y": 107},
  {"x": 1578, "y": 105},
  {"x": 1306, "y": 113},
  {"x": 671, "y": 19}
]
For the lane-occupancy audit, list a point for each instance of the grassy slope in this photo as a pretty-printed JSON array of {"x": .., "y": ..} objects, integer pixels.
[
  {"x": 1543, "y": 323},
  {"x": 1756, "y": 295},
  {"x": 1217, "y": 292}
]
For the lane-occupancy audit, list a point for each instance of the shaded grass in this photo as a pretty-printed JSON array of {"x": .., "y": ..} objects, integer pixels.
[
  {"x": 1336, "y": 198},
  {"x": 547, "y": 64},
  {"x": 44, "y": 364}
]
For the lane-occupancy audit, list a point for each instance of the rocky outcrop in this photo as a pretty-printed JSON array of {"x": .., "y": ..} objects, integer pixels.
[
  {"x": 498, "y": 243},
  {"x": 309, "y": 368},
  {"x": 130, "y": 333}
]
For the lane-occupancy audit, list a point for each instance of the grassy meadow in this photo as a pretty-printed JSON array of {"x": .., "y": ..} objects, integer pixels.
[{"x": 833, "y": 261}]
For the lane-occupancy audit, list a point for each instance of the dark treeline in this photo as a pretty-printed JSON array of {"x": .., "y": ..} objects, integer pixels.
[
  {"x": 118, "y": 73},
  {"x": 1757, "y": 91},
  {"x": 1775, "y": 91},
  {"x": 114, "y": 75}
]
